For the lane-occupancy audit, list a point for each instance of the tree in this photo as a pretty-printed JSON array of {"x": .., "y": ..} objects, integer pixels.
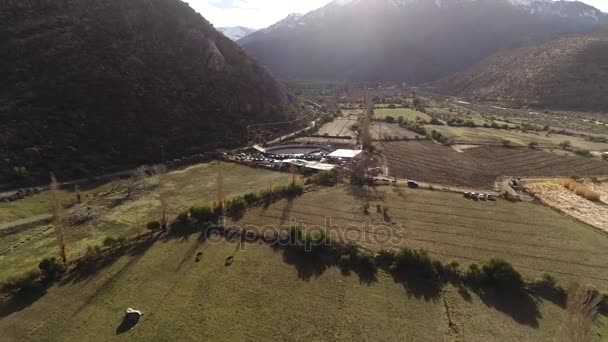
[
  {"x": 581, "y": 312},
  {"x": 58, "y": 215},
  {"x": 160, "y": 171},
  {"x": 533, "y": 144},
  {"x": 565, "y": 144},
  {"x": 51, "y": 268},
  {"x": 507, "y": 143},
  {"x": 389, "y": 119}
]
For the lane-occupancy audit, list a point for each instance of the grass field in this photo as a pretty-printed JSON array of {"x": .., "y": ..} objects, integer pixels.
[
  {"x": 488, "y": 135},
  {"x": 406, "y": 113},
  {"x": 184, "y": 188},
  {"x": 261, "y": 296},
  {"x": 340, "y": 127},
  {"x": 478, "y": 167},
  {"x": 534, "y": 238},
  {"x": 383, "y": 130}
]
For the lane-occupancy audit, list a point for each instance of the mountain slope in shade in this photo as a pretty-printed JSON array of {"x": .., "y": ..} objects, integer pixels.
[
  {"x": 409, "y": 40},
  {"x": 566, "y": 73},
  {"x": 236, "y": 32},
  {"x": 91, "y": 86}
]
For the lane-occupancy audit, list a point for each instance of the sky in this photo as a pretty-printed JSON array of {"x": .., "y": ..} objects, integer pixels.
[{"x": 263, "y": 13}]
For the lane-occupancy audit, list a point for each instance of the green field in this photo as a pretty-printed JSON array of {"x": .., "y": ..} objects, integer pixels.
[
  {"x": 534, "y": 238},
  {"x": 184, "y": 188},
  {"x": 261, "y": 296},
  {"x": 406, "y": 113},
  {"x": 488, "y": 135}
]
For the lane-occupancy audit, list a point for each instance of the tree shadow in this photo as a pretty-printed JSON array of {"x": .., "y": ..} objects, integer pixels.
[
  {"x": 24, "y": 298},
  {"x": 520, "y": 305},
  {"x": 89, "y": 266},
  {"x": 418, "y": 286},
  {"x": 307, "y": 264}
]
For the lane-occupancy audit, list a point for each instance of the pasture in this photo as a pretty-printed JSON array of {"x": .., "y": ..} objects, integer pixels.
[
  {"x": 114, "y": 215},
  {"x": 383, "y": 130},
  {"x": 405, "y": 113},
  {"x": 263, "y": 295},
  {"x": 340, "y": 127},
  {"x": 532, "y": 237},
  {"x": 467, "y": 135},
  {"x": 478, "y": 167}
]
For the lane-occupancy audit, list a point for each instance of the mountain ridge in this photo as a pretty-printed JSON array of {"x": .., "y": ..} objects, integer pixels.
[
  {"x": 356, "y": 40},
  {"x": 93, "y": 86}
]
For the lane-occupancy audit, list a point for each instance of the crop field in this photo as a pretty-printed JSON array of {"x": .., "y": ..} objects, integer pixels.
[
  {"x": 406, "y": 113},
  {"x": 340, "y": 127},
  {"x": 534, "y": 238},
  {"x": 467, "y": 135},
  {"x": 478, "y": 167},
  {"x": 381, "y": 130},
  {"x": 261, "y": 296},
  {"x": 554, "y": 194},
  {"x": 113, "y": 215}
]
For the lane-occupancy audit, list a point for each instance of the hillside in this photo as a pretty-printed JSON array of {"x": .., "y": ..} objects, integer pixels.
[
  {"x": 566, "y": 73},
  {"x": 409, "y": 40},
  {"x": 93, "y": 86},
  {"x": 236, "y": 32}
]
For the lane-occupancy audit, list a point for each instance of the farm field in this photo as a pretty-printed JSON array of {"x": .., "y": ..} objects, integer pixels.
[
  {"x": 478, "y": 167},
  {"x": 114, "y": 216},
  {"x": 480, "y": 135},
  {"x": 381, "y": 130},
  {"x": 553, "y": 193},
  {"x": 262, "y": 296},
  {"x": 534, "y": 238},
  {"x": 340, "y": 127},
  {"x": 406, "y": 113}
]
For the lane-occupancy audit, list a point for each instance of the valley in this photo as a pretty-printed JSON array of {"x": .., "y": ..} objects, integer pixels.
[{"x": 392, "y": 170}]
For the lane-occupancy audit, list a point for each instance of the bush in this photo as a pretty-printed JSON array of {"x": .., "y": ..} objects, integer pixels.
[
  {"x": 565, "y": 144},
  {"x": 385, "y": 259},
  {"x": 235, "y": 208},
  {"x": 416, "y": 261},
  {"x": 51, "y": 268},
  {"x": 325, "y": 178},
  {"x": 584, "y": 153},
  {"x": 389, "y": 119},
  {"x": 379, "y": 208},
  {"x": 392, "y": 106},
  {"x": 109, "y": 242},
  {"x": 251, "y": 198},
  {"x": 500, "y": 273},
  {"x": 153, "y": 225},
  {"x": 203, "y": 214},
  {"x": 533, "y": 144}
]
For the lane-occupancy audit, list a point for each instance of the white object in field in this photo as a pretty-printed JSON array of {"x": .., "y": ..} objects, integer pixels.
[
  {"x": 131, "y": 311},
  {"x": 342, "y": 153}
]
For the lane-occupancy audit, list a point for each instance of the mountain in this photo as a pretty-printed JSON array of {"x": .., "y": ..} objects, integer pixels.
[
  {"x": 93, "y": 86},
  {"x": 236, "y": 32},
  {"x": 566, "y": 73},
  {"x": 409, "y": 40}
]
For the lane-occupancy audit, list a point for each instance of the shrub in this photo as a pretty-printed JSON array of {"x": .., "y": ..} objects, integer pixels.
[
  {"x": 153, "y": 225},
  {"x": 507, "y": 143},
  {"x": 417, "y": 261},
  {"x": 533, "y": 144},
  {"x": 584, "y": 153},
  {"x": 389, "y": 119},
  {"x": 325, "y": 178},
  {"x": 251, "y": 198},
  {"x": 385, "y": 259},
  {"x": 366, "y": 208},
  {"x": 121, "y": 240},
  {"x": 51, "y": 268},
  {"x": 201, "y": 214},
  {"x": 473, "y": 274},
  {"x": 235, "y": 208},
  {"x": 109, "y": 242},
  {"x": 379, "y": 208},
  {"x": 392, "y": 106},
  {"x": 565, "y": 144},
  {"x": 500, "y": 273}
]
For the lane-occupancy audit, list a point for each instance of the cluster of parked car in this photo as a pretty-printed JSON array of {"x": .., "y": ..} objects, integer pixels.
[{"x": 479, "y": 196}]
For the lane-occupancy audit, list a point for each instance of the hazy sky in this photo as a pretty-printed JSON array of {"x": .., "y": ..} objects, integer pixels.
[{"x": 263, "y": 13}]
